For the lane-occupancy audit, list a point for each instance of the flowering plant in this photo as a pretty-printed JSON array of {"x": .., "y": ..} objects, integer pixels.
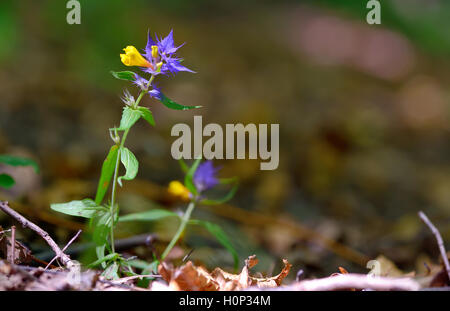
[{"x": 159, "y": 58}]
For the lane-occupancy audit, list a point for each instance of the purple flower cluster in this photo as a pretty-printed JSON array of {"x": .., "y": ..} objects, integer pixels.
[
  {"x": 165, "y": 53},
  {"x": 160, "y": 53},
  {"x": 205, "y": 176}
]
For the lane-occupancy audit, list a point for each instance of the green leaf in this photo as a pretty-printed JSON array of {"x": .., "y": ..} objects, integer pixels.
[
  {"x": 131, "y": 165},
  {"x": 183, "y": 166},
  {"x": 100, "y": 252},
  {"x": 147, "y": 115},
  {"x": 111, "y": 272},
  {"x": 6, "y": 181},
  {"x": 84, "y": 208},
  {"x": 129, "y": 117},
  {"x": 150, "y": 215},
  {"x": 18, "y": 161},
  {"x": 189, "y": 178},
  {"x": 124, "y": 75},
  {"x": 221, "y": 236},
  {"x": 111, "y": 256},
  {"x": 227, "y": 197},
  {"x": 173, "y": 105},
  {"x": 107, "y": 173},
  {"x": 102, "y": 225}
]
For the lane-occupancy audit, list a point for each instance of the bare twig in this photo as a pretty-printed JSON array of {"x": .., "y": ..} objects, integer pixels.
[
  {"x": 439, "y": 240},
  {"x": 11, "y": 254},
  {"x": 4, "y": 231},
  {"x": 65, "y": 247},
  {"x": 357, "y": 281},
  {"x": 26, "y": 223}
]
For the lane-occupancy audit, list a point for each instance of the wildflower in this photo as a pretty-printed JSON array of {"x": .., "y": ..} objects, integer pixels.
[
  {"x": 132, "y": 57},
  {"x": 161, "y": 54},
  {"x": 205, "y": 176},
  {"x": 179, "y": 190}
]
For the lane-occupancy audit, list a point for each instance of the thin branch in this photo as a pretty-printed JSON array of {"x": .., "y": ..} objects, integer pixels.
[
  {"x": 439, "y": 240},
  {"x": 65, "y": 247},
  {"x": 26, "y": 223},
  {"x": 357, "y": 281},
  {"x": 12, "y": 251}
]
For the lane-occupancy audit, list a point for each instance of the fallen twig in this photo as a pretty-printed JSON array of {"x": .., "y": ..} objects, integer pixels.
[
  {"x": 11, "y": 254},
  {"x": 65, "y": 247},
  {"x": 26, "y": 223},
  {"x": 439, "y": 240},
  {"x": 357, "y": 281}
]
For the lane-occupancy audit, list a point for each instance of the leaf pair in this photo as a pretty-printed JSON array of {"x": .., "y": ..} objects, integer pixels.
[
  {"x": 129, "y": 161},
  {"x": 131, "y": 115}
]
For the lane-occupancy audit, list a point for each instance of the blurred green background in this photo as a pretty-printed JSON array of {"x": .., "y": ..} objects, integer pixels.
[{"x": 363, "y": 113}]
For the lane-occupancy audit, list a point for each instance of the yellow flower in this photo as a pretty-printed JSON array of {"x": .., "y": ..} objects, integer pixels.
[
  {"x": 132, "y": 57},
  {"x": 179, "y": 190}
]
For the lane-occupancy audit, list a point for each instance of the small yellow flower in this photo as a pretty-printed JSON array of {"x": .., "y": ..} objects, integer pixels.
[
  {"x": 132, "y": 57},
  {"x": 179, "y": 190}
]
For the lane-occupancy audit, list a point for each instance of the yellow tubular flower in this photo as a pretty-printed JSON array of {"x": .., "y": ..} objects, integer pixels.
[
  {"x": 179, "y": 190},
  {"x": 132, "y": 57}
]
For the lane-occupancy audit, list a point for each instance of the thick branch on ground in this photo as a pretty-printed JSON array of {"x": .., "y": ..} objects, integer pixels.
[
  {"x": 357, "y": 281},
  {"x": 26, "y": 223},
  {"x": 439, "y": 240}
]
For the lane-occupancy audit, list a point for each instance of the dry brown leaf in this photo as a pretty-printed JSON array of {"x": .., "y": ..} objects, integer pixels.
[
  {"x": 22, "y": 255},
  {"x": 190, "y": 277}
]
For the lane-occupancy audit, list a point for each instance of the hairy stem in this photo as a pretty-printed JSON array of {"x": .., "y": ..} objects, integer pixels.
[
  {"x": 180, "y": 230},
  {"x": 116, "y": 169}
]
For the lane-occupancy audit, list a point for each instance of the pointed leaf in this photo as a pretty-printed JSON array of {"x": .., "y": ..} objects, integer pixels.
[
  {"x": 124, "y": 75},
  {"x": 131, "y": 165},
  {"x": 227, "y": 197},
  {"x": 103, "y": 259},
  {"x": 107, "y": 173},
  {"x": 129, "y": 117},
  {"x": 102, "y": 225},
  {"x": 173, "y": 105},
  {"x": 150, "y": 215},
  {"x": 189, "y": 178},
  {"x": 6, "y": 181},
  {"x": 221, "y": 237},
  {"x": 147, "y": 115},
  {"x": 84, "y": 208}
]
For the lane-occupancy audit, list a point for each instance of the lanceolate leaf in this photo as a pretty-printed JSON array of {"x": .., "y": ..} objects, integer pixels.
[
  {"x": 131, "y": 165},
  {"x": 124, "y": 75},
  {"x": 147, "y": 115},
  {"x": 18, "y": 161},
  {"x": 129, "y": 117},
  {"x": 103, "y": 259},
  {"x": 107, "y": 173},
  {"x": 188, "y": 179},
  {"x": 227, "y": 197},
  {"x": 102, "y": 226},
  {"x": 84, "y": 208},
  {"x": 150, "y": 215},
  {"x": 6, "y": 181},
  {"x": 173, "y": 105},
  {"x": 221, "y": 236}
]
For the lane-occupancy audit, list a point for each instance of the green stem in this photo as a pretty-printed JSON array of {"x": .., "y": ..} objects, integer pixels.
[
  {"x": 116, "y": 169},
  {"x": 180, "y": 230}
]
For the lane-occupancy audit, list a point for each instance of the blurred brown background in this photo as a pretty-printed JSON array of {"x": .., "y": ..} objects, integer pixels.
[{"x": 363, "y": 113}]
